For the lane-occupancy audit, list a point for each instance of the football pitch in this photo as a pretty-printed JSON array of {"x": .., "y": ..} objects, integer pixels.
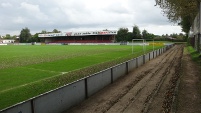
[{"x": 28, "y": 71}]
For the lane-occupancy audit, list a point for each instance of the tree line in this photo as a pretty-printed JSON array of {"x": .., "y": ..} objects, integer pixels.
[
  {"x": 123, "y": 34},
  {"x": 26, "y": 37}
]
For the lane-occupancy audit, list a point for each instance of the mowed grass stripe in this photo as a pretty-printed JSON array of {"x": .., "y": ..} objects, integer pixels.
[
  {"x": 26, "y": 55},
  {"x": 11, "y": 78},
  {"x": 70, "y": 64},
  {"x": 29, "y": 74}
]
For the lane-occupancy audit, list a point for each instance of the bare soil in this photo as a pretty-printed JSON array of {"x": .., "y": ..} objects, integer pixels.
[
  {"x": 189, "y": 96},
  {"x": 148, "y": 89}
]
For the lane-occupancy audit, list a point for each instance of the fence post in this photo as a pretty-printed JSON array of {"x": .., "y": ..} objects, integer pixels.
[
  {"x": 32, "y": 106},
  {"x": 86, "y": 88},
  {"x": 127, "y": 68},
  {"x": 159, "y": 51},
  {"x": 111, "y": 75},
  {"x": 149, "y": 56}
]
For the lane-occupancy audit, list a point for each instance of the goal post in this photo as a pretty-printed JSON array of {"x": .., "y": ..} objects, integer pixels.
[{"x": 143, "y": 44}]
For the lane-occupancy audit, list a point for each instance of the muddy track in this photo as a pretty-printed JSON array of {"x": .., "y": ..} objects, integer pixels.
[{"x": 142, "y": 91}]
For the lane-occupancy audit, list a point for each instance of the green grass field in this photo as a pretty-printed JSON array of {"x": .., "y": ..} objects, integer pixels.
[{"x": 27, "y": 71}]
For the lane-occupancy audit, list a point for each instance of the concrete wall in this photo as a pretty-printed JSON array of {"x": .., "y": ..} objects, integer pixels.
[
  {"x": 158, "y": 52},
  {"x": 146, "y": 57},
  {"x": 140, "y": 60},
  {"x": 151, "y": 55},
  {"x": 24, "y": 107},
  {"x": 164, "y": 49},
  {"x": 119, "y": 71},
  {"x": 161, "y": 50},
  {"x": 98, "y": 81},
  {"x": 60, "y": 99},
  {"x": 155, "y": 53},
  {"x": 132, "y": 64}
]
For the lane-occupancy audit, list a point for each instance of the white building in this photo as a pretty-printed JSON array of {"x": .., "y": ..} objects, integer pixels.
[{"x": 6, "y": 41}]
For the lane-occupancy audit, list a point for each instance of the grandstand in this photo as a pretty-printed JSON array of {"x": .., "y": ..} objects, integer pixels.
[{"x": 104, "y": 36}]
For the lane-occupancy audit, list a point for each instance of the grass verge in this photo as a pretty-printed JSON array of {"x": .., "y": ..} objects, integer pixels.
[{"x": 196, "y": 57}]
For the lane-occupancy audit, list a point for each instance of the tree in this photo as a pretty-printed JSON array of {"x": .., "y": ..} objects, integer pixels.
[
  {"x": 56, "y": 31},
  {"x": 180, "y": 11},
  {"x": 174, "y": 35},
  {"x": 25, "y": 35},
  {"x": 129, "y": 36},
  {"x": 14, "y": 37},
  {"x": 35, "y": 38},
  {"x": 150, "y": 36},
  {"x": 145, "y": 34},
  {"x": 177, "y": 9},
  {"x": 8, "y": 36},
  {"x": 179, "y": 36},
  {"x": 136, "y": 32},
  {"x": 185, "y": 24},
  {"x": 43, "y": 32},
  {"x": 122, "y": 34}
]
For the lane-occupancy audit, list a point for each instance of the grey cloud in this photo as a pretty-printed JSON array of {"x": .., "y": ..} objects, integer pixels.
[{"x": 65, "y": 15}]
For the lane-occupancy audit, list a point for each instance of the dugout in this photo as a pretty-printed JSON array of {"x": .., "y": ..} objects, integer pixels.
[{"x": 80, "y": 37}]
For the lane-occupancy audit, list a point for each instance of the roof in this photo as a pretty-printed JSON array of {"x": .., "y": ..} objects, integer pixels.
[{"x": 80, "y": 33}]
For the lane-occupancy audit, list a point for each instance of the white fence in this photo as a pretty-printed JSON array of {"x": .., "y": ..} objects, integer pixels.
[{"x": 67, "y": 96}]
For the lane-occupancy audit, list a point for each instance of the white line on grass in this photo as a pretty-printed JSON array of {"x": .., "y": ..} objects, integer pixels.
[
  {"x": 27, "y": 84},
  {"x": 40, "y": 69}
]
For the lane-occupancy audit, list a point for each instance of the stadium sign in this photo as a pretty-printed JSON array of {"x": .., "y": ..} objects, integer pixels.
[
  {"x": 51, "y": 35},
  {"x": 81, "y": 33}
]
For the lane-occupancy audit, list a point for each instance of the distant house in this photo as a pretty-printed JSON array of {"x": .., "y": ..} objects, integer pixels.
[
  {"x": 6, "y": 41},
  {"x": 171, "y": 38}
]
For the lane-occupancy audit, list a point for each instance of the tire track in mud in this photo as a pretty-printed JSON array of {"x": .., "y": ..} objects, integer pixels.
[
  {"x": 143, "y": 91},
  {"x": 145, "y": 77},
  {"x": 158, "y": 98},
  {"x": 137, "y": 92}
]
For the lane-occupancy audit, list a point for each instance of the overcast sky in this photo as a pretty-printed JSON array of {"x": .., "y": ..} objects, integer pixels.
[{"x": 82, "y": 15}]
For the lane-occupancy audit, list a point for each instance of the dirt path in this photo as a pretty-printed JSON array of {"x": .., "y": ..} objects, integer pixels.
[
  {"x": 189, "y": 100},
  {"x": 145, "y": 90}
]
